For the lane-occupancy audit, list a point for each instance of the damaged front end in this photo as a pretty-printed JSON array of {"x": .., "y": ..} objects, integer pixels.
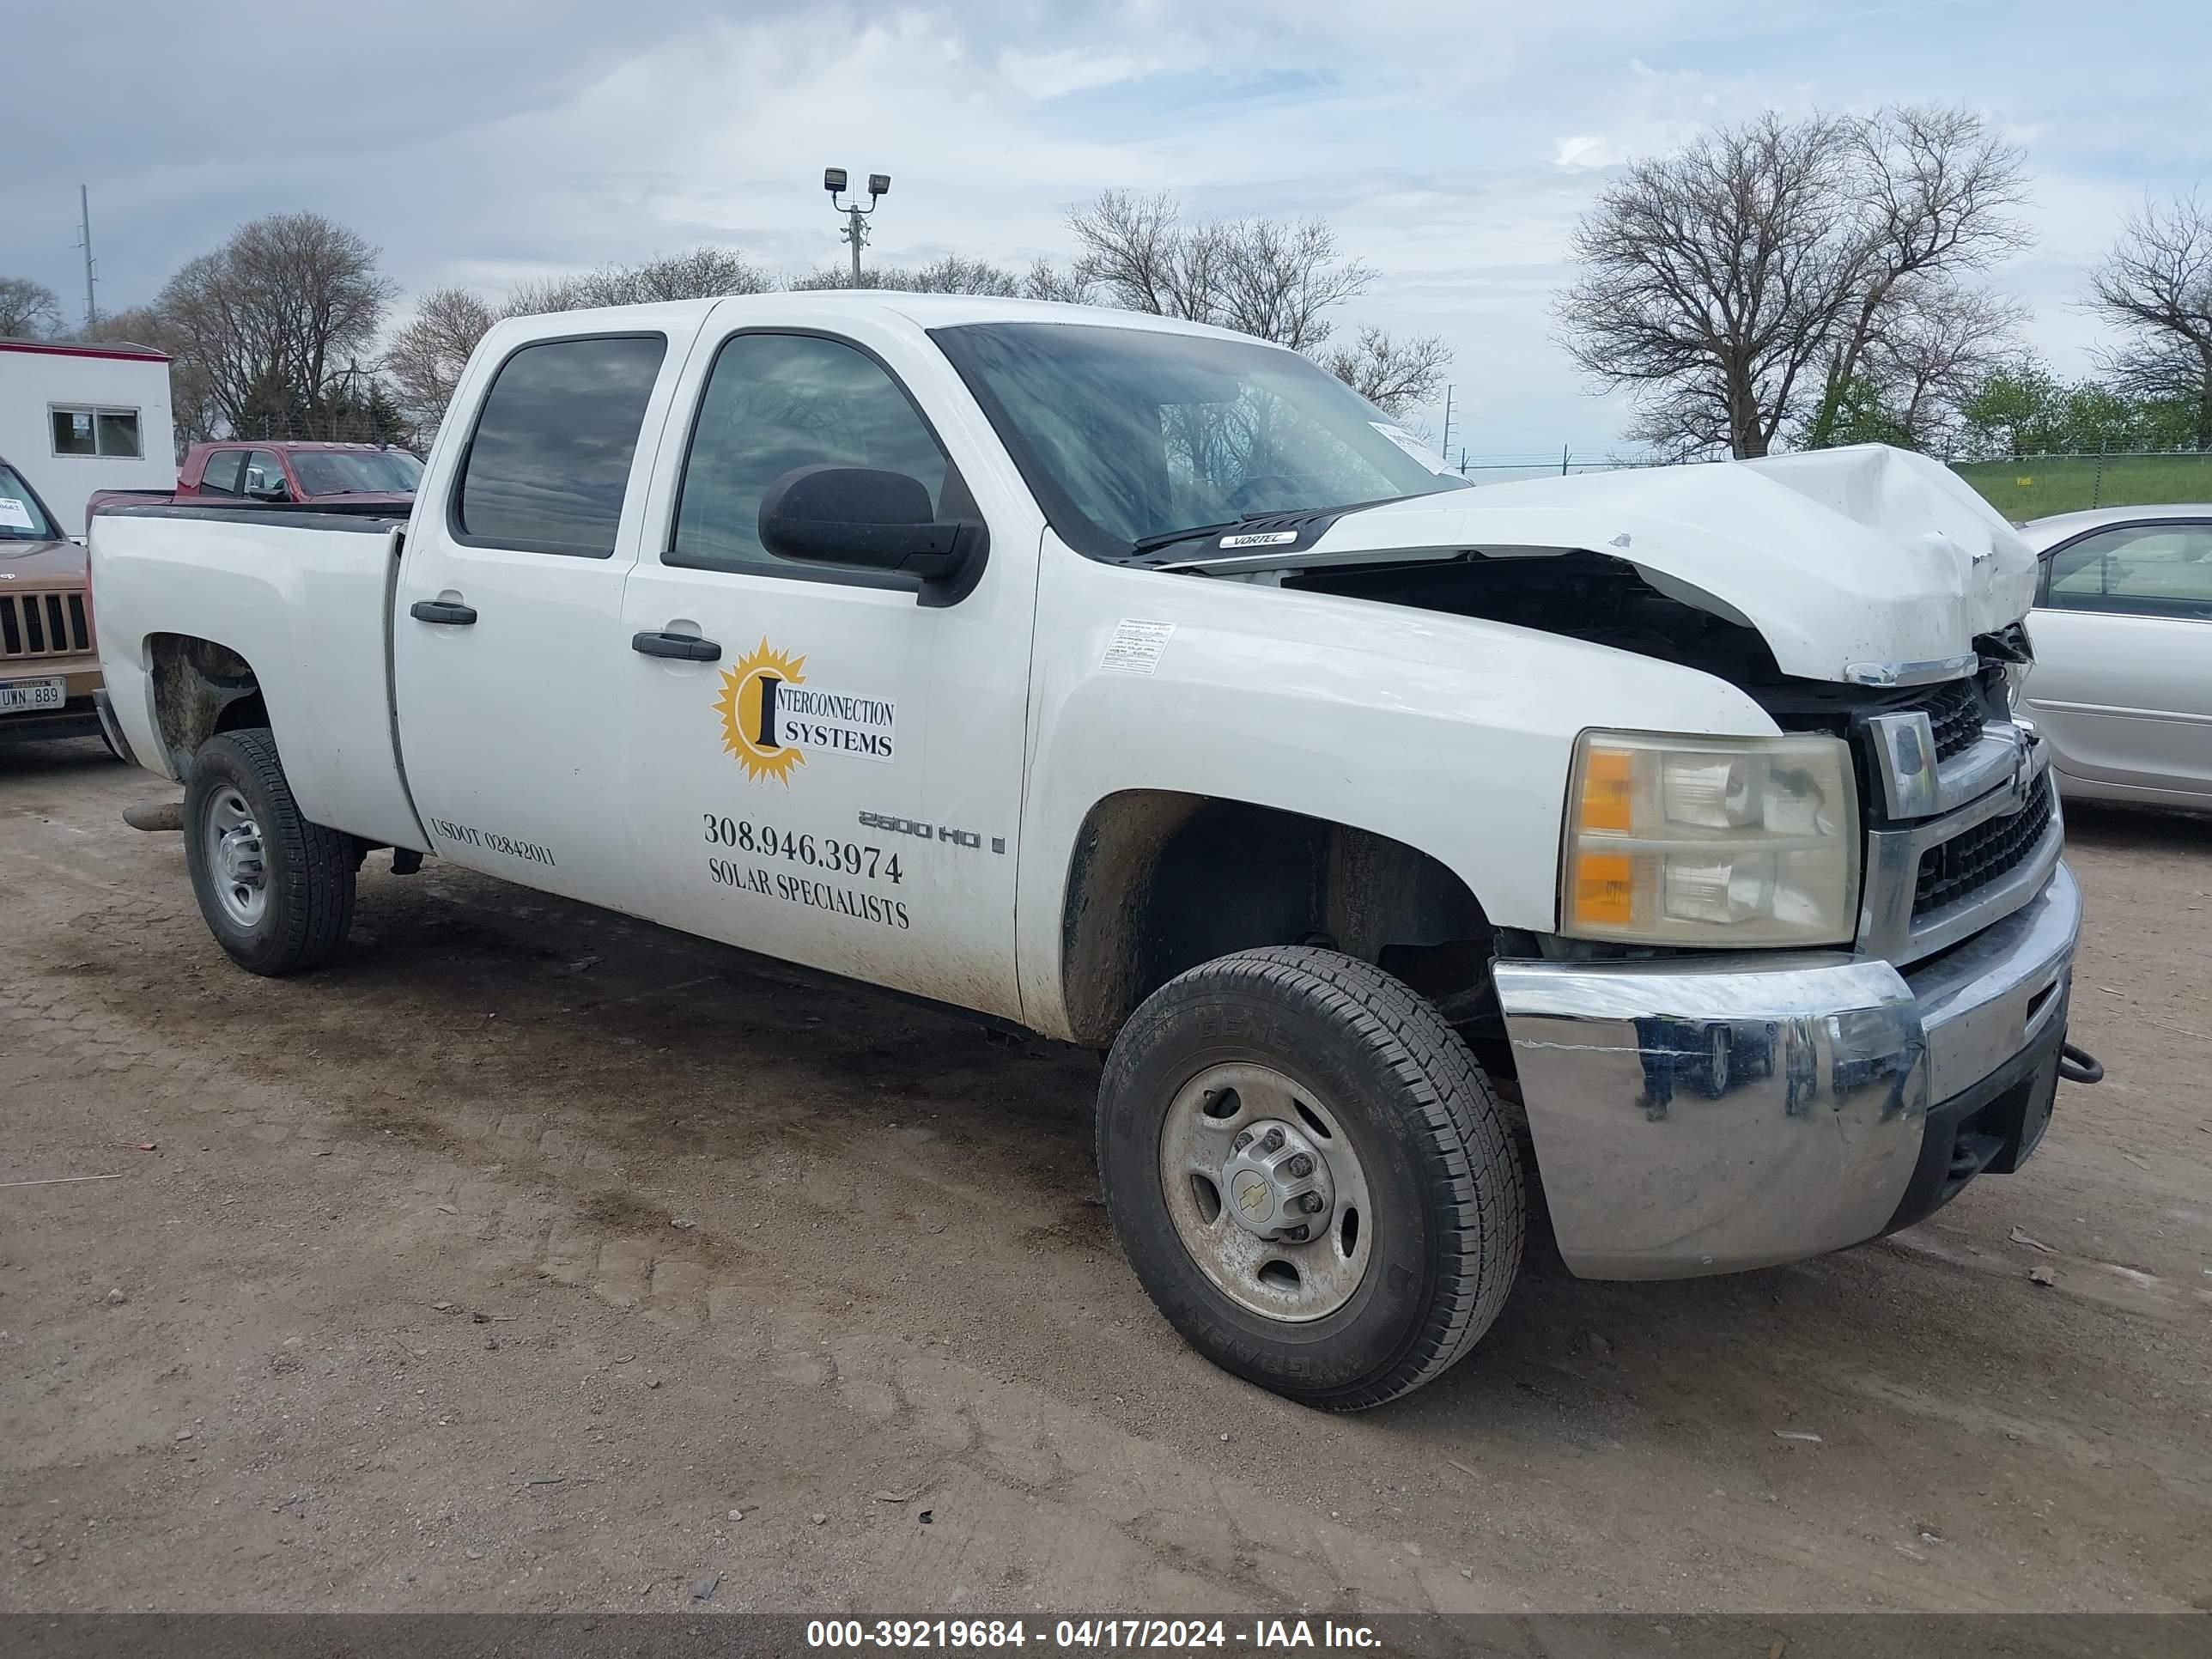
[{"x": 1699, "y": 1110}]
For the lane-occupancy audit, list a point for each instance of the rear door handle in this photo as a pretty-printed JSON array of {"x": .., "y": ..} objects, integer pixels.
[
  {"x": 685, "y": 647},
  {"x": 437, "y": 610}
]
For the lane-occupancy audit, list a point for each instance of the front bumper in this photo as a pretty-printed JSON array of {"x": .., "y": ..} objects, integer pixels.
[{"x": 1701, "y": 1116}]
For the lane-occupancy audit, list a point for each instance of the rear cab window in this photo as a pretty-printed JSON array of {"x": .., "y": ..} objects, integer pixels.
[
  {"x": 548, "y": 465},
  {"x": 221, "y": 474}
]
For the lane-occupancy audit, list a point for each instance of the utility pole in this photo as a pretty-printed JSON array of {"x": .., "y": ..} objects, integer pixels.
[
  {"x": 856, "y": 227},
  {"x": 84, "y": 215},
  {"x": 1443, "y": 448}
]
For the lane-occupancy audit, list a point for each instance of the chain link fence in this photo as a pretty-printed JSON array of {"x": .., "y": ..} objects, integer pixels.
[
  {"x": 346, "y": 426},
  {"x": 2035, "y": 486},
  {"x": 2020, "y": 486}
]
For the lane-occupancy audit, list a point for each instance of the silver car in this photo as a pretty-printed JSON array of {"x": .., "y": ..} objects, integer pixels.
[{"x": 2122, "y": 684}]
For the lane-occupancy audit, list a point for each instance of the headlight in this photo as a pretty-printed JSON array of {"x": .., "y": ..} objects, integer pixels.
[{"x": 1711, "y": 841}]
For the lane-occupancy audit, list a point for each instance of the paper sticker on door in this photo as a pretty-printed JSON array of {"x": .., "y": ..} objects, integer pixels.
[{"x": 774, "y": 721}]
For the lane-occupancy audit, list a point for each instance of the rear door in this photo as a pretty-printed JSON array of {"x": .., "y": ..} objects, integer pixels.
[
  {"x": 2123, "y": 678},
  {"x": 842, "y": 786},
  {"x": 221, "y": 476},
  {"x": 510, "y": 659}
]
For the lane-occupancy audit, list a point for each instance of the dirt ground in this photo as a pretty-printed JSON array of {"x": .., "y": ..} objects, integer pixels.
[{"x": 534, "y": 1259}]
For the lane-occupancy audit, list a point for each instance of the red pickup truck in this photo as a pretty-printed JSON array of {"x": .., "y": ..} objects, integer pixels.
[
  {"x": 272, "y": 473},
  {"x": 300, "y": 472}
]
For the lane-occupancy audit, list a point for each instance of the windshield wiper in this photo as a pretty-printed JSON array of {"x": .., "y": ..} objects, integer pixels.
[
  {"x": 1170, "y": 537},
  {"x": 1317, "y": 518}
]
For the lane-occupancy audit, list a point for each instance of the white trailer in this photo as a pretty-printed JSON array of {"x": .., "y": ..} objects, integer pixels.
[{"x": 77, "y": 417}]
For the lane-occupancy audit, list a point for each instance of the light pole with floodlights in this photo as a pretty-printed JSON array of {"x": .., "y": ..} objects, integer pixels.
[{"x": 856, "y": 227}]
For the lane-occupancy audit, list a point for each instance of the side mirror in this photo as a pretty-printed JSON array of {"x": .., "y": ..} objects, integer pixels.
[{"x": 874, "y": 520}]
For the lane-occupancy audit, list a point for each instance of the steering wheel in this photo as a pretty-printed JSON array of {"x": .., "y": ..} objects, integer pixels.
[{"x": 1241, "y": 498}]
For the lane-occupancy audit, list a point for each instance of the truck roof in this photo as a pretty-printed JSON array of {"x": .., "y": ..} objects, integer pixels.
[{"x": 923, "y": 310}]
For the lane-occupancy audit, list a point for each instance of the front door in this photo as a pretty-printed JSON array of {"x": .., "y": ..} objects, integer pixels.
[
  {"x": 2123, "y": 637},
  {"x": 842, "y": 785},
  {"x": 508, "y": 654}
]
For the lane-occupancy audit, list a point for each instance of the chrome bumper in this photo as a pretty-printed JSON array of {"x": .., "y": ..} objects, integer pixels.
[{"x": 1702, "y": 1116}]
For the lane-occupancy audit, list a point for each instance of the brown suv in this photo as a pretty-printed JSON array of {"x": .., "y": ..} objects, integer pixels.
[{"x": 49, "y": 669}]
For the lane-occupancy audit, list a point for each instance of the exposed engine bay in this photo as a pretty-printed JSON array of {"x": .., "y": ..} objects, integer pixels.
[{"x": 1580, "y": 595}]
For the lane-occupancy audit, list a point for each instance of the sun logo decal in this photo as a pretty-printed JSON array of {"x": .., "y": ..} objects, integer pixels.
[{"x": 748, "y": 708}]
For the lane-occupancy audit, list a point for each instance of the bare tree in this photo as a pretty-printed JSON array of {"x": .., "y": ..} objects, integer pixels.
[
  {"x": 704, "y": 273},
  {"x": 271, "y": 320},
  {"x": 953, "y": 274},
  {"x": 425, "y": 357},
  {"x": 28, "y": 310},
  {"x": 957, "y": 273},
  {"x": 1940, "y": 196},
  {"x": 1713, "y": 279},
  {"x": 1265, "y": 277},
  {"x": 2156, "y": 287},
  {"x": 191, "y": 396},
  {"x": 1064, "y": 284},
  {"x": 1136, "y": 252},
  {"x": 1395, "y": 375},
  {"x": 1939, "y": 345}
]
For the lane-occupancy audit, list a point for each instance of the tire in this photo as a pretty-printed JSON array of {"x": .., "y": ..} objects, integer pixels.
[
  {"x": 305, "y": 880},
  {"x": 1375, "y": 1065}
]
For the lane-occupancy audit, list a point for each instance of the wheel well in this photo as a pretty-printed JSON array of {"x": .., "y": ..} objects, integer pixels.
[
  {"x": 200, "y": 688},
  {"x": 1161, "y": 881}
]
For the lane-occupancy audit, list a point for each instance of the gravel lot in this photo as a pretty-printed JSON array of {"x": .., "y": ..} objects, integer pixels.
[{"x": 533, "y": 1259}]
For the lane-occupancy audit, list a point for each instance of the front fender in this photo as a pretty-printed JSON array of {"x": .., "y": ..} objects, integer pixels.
[{"x": 1453, "y": 735}]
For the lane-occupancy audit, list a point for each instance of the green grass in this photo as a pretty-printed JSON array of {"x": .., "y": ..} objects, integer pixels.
[{"x": 2038, "y": 486}]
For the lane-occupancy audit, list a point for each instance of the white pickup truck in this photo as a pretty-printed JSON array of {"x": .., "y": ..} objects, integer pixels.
[{"x": 1137, "y": 684}]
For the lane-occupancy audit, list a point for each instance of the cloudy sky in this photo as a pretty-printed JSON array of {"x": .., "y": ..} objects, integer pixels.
[{"x": 1453, "y": 146}]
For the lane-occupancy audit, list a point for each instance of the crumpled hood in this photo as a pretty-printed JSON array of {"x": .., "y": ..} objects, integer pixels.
[{"x": 1865, "y": 564}]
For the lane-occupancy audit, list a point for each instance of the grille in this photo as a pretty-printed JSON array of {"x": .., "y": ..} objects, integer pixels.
[
  {"x": 44, "y": 625},
  {"x": 1967, "y": 863},
  {"x": 1955, "y": 711}
]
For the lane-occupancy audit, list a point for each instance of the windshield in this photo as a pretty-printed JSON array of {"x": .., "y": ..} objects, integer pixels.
[
  {"x": 356, "y": 471},
  {"x": 23, "y": 516},
  {"x": 1130, "y": 433}
]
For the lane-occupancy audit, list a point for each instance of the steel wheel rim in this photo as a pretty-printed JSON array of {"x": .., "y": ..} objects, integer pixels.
[
  {"x": 236, "y": 859},
  {"x": 1294, "y": 1282}
]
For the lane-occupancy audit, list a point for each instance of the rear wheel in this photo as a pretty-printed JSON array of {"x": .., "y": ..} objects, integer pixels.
[
  {"x": 276, "y": 891},
  {"x": 1307, "y": 1169}
]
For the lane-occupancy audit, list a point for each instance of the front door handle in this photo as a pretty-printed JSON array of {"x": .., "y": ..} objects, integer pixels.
[
  {"x": 685, "y": 647},
  {"x": 438, "y": 611}
]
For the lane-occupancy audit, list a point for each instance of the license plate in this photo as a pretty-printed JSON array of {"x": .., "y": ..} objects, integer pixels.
[{"x": 16, "y": 695}]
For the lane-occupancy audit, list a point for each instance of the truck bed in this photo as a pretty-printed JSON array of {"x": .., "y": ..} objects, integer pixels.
[{"x": 304, "y": 595}]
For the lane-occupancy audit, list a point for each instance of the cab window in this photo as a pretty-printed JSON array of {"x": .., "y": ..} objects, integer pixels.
[
  {"x": 548, "y": 465},
  {"x": 264, "y": 476},
  {"x": 220, "y": 475},
  {"x": 775, "y": 402},
  {"x": 2137, "y": 570}
]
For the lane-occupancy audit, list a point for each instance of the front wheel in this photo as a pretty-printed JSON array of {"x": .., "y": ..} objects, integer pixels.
[
  {"x": 1307, "y": 1169},
  {"x": 276, "y": 891}
]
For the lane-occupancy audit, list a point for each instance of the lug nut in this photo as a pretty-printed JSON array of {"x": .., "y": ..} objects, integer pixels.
[
  {"x": 1300, "y": 1166},
  {"x": 1273, "y": 1143},
  {"x": 1311, "y": 1203},
  {"x": 1297, "y": 1235},
  {"x": 1242, "y": 1140}
]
